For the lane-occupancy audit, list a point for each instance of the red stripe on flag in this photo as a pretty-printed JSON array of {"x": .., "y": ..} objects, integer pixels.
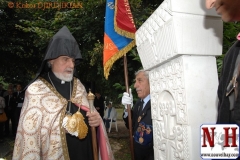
[{"x": 124, "y": 23}]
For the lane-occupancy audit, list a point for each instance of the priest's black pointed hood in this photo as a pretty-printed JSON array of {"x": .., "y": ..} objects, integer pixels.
[{"x": 61, "y": 44}]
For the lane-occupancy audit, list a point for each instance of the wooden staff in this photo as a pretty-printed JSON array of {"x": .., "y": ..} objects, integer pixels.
[
  {"x": 128, "y": 108},
  {"x": 90, "y": 98}
]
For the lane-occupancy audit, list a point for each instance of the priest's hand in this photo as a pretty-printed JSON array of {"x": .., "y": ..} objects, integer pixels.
[{"x": 94, "y": 119}]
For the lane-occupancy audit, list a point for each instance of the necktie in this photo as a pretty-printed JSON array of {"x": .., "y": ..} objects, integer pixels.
[
  {"x": 140, "y": 113},
  {"x": 141, "y": 105},
  {"x": 142, "y": 102}
]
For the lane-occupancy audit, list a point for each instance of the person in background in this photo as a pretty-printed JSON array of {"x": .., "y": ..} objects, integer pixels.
[
  {"x": 10, "y": 86},
  {"x": 228, "y": 94},
  {"x": 10, "y": 102},
  {"x": 141, "y": 117},
  {"x": 110, "y": 113},
  {"x": 2, "y": 90},
  {"x": 55, "y": 121},
  {"x": 2, "y": 106},
  {"x": 99, "y": 103},
  {"x": 19, "y": 96}
]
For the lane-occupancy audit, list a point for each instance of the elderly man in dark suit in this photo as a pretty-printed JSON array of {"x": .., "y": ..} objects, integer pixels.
[{"x": 141, "y": 117}]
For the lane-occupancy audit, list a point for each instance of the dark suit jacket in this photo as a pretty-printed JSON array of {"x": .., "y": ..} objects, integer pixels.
[
  {"x": 10, "y": 105},
  {"x": 99, "y": 103},
  {"x": 135, "y": 114},
  {"x": 147, "y": 149},
  {"x": 19, "y": 97},
  {"x": 224, "y": 114}
]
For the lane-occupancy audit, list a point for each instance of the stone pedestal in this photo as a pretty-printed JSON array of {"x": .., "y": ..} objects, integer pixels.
[{"x": 178, "y": 44}]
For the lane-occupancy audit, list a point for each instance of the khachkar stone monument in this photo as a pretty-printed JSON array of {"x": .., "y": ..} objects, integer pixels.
[{"x": 178, "y": 44}]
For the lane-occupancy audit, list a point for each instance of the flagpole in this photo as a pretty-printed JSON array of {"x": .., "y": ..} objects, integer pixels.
[{"x": 128, "y": 108}]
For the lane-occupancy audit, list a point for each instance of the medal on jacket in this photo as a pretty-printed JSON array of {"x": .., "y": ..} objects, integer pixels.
[
  {"x": 140, "y": 112},
  {"x": 139, "y": 119},
  {"x": 140, "y": 140}
]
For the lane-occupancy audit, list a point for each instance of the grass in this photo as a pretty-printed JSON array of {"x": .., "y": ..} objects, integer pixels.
[{"x": 119, "y": 113}]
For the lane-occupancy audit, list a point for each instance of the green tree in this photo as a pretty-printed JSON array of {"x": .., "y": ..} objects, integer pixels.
[{"x": 25, "y": 34}]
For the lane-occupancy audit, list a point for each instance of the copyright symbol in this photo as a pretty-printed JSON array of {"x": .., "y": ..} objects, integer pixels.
[{"x": 10, "y": 4}]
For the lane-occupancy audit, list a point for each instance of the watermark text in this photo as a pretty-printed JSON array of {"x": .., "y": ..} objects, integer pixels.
[
  {"x": 219, "y": 141},
  {"x": 46, "y": 5}
]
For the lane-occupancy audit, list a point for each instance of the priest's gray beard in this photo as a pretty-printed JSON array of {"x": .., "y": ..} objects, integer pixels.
[{"x": 66, "y": 76}]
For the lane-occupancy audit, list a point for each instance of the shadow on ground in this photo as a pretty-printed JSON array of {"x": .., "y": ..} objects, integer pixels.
[{"x": 119, "y": 142}]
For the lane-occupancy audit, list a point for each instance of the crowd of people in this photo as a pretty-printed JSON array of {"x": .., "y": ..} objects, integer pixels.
[{"x": 11, "y": 103}]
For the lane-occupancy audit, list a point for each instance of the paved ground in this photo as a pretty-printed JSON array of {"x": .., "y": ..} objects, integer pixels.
[
  {"x": 6, "y": 147},
  {"x": 123, "y": 132},
  {"x": 119, "y": 142}
]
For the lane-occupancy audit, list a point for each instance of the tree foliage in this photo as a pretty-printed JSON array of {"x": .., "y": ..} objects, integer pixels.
[
  {"x": 229, "y": 37},
  {"x": 25, "y": 33}
]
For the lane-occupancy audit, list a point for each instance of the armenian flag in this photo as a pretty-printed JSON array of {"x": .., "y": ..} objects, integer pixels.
[{"x": 119, "y": 35}]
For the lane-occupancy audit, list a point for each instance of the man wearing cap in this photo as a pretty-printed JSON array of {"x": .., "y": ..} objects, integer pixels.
[{"x": 55, "y": 119}]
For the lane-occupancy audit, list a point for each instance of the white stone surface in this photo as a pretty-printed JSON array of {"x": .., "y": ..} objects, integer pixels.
[
  {"x": 167, "y": 34},
  {"x": 178, "y": 44},
  {"x": 190, "y": 7},
  {"x": 182, "y": 100}
]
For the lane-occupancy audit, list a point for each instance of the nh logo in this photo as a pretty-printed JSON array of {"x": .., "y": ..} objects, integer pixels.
[{"x": 219, "y": 141}]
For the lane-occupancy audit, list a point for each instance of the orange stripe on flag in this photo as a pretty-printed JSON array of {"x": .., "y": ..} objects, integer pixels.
[
  {"x": 119, "y": 32},
  {"x": 109, "y": 48}
]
